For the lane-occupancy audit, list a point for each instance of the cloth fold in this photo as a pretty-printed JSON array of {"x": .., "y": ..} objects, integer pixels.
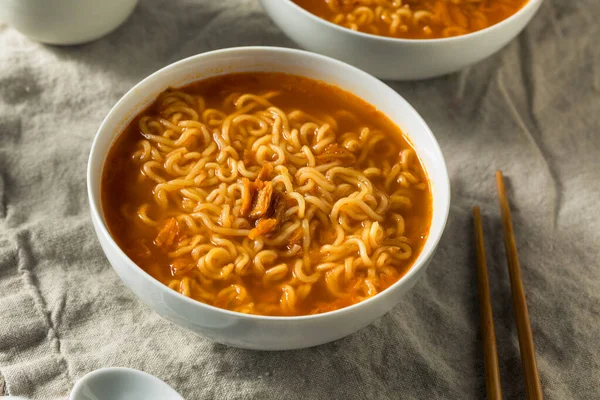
[{"x": 532, "y": 110}]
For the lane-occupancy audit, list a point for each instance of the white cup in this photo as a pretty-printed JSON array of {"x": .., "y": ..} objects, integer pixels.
[{"x": 65, "y": 22}]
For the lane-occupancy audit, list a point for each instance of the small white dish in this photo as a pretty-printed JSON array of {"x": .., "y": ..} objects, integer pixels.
[
  {"x": 122, "y": 384},
  {"x": 65, "y": 22},
  {"x": 391, "y": 58},
  {"x": 257, "y": 331},
  {"x": 118, "y": 384}
]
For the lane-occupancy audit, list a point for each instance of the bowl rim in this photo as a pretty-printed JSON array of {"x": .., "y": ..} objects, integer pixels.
[
  {"x": 498, "y": 25},
  {"x": 138, "y": 90}
]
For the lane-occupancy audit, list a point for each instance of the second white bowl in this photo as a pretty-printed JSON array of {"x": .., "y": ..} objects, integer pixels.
[{"x": 391, "y": 58}]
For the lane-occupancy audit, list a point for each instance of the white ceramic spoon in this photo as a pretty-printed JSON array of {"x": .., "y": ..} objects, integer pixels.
[
  {"x": 122, "y": 384},
  {"x": 119, "y": 384}
]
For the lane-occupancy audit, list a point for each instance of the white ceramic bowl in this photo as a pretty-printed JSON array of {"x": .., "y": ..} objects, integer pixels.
[
  {"x": 252, "y": 331},
  {"x": 65, "y": 22},
  {"x": 390, "y": 58}
]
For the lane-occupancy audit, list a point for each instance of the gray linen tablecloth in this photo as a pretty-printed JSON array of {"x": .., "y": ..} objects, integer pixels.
[{"x": 532, "y": 110}]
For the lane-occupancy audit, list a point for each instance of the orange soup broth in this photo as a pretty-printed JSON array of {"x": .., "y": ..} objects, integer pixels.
[
  {"x": 124, "y": 187},
  {"x": 448, "y": 18}
]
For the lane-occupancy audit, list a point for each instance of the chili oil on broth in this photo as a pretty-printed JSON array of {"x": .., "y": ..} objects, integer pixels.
[
  {"x": 267, "y": 193},
  {"x": 414, "y": 19}
]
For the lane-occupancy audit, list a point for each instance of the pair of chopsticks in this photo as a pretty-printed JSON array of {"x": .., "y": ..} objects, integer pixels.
[{"x": 533, "y": 386}]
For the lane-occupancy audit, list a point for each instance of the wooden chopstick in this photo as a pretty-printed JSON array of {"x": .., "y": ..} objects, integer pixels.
[
  {"x": 490, "y": 353},
  {"x": 533, "y": 387}
]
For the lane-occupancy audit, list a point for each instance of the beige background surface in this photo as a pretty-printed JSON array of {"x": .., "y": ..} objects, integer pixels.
[{"x": 532, "y": 110}]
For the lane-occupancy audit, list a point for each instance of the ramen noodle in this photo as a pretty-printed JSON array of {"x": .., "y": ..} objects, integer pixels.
[
  {"x": 267, "y": 193},
  {"x": 413, "y": 19}
]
